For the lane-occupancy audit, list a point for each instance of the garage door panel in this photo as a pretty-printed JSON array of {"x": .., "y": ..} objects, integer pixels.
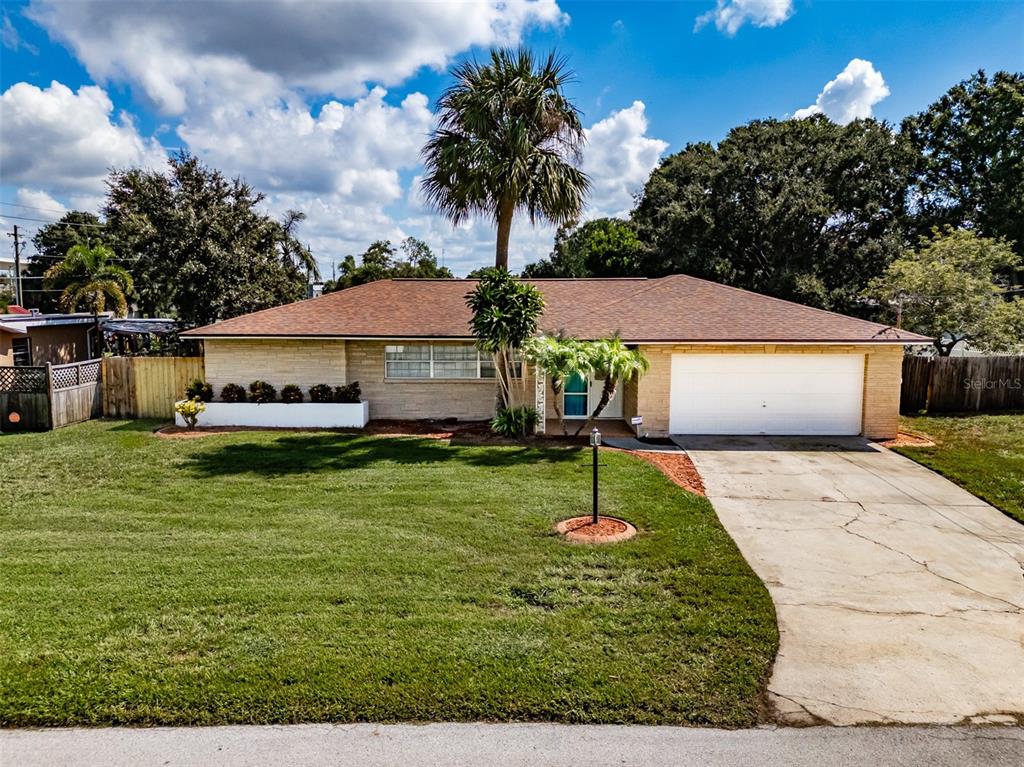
[{"x": 766, "y": 394}]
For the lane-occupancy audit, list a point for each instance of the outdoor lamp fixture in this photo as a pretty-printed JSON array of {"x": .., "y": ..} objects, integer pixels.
[{"x": 595, "y": 443}]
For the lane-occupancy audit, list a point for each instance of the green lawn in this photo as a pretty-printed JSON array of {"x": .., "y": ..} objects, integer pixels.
[
  {"x": 982, "y": 453},
  {"x": 259, "y": 577}
]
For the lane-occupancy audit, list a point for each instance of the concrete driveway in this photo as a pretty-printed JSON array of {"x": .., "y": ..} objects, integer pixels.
[{"x": 900, "y": 596}]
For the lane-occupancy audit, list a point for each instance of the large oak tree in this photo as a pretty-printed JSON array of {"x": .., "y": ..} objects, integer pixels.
[
  {"x": 806, "y": 210},
  {"x": 199, "y": 247}
]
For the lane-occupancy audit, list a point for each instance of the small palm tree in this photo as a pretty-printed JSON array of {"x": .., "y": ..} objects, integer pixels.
[
  {"x": 87, "y": 277},
  {"x": 613, "y": 361},
  {"x": 506, "y": 140},
  {"x": 561, "y": 359}
]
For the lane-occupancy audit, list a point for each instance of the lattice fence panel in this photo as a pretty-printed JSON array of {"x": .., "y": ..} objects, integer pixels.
[
  {"x": 65, "y": 377},
  {"x": 25, "y": 380},
  {"x": 90, "y": 372}
]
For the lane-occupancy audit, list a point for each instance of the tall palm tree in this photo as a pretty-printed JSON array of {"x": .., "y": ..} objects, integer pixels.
[
  {"x": 561, "y": 359},
  {"x": 87, "y": 277},
  {"x": 506, "y": 140},
  {"x": 613, "y": 361}
]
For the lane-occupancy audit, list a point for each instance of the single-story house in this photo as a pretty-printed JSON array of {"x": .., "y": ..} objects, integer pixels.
[
  {"x": 8, "y": 334},
  {"x": 54, "y": 338},
  {"x": 722, "y": 360}
]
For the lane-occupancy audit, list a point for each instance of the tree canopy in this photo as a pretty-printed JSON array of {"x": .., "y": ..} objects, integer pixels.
[
  {"x": 383, "y": 261},
  {"x": 806, "y": 210},
  {"x": 198, "y": 245},
  {"x": 970, "y": 171},
  {"x": 948, "y": 289},
  {"x": 506, "y": 140},
  {"x": 603, "y": 247}
]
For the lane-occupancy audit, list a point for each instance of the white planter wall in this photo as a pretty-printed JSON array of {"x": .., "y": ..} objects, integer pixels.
[{"x": 299, "y": 415}]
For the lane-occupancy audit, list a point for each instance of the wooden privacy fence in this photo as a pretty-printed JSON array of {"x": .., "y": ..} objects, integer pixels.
[
  {"x": 146, "y": 387},
  {"x": 962, "y": 384},
  {"x": 39, "y": 398}
]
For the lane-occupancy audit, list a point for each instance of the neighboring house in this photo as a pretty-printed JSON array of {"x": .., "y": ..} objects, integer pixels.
[
  {"x": 54, "y": 338},
  {"x": 8, "y": 335},
  {"x": 723, "y": 360}
]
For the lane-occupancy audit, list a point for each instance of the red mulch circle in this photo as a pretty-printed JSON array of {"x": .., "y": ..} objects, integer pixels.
[{"x": 607, "y": 529}]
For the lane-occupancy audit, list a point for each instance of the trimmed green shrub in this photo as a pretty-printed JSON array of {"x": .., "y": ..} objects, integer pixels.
[
  {"x": 320, "y": 393},
  {"x": 261, "y": 391},
  {"x": 232, "y": 393},
  {"x": 200, "y": 390},
  {"x": 291, "y": 393},
  {"x": 515, "y": 422},
  {"x": 350, "y": 393}
]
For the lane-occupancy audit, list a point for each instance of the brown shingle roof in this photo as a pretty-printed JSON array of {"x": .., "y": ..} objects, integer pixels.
[{"x": 677, "y": 308}]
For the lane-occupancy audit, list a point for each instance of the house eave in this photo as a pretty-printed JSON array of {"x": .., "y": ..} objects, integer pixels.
[{"x": 637, "y": 341}]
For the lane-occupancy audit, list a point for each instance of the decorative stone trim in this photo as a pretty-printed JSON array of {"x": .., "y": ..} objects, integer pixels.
[{"x": 540, "y": 397}]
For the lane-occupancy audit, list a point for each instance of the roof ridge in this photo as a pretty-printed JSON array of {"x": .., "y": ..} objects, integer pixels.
[{"x": 780, "y": 300}]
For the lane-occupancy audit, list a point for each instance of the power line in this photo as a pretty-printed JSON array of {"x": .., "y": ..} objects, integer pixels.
[
  {"x": 34, "y": 207},
  {"x": 55, "y": 223}
]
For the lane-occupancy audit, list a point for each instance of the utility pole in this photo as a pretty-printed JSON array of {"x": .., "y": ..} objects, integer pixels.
[{"x": 17, "y": 264}]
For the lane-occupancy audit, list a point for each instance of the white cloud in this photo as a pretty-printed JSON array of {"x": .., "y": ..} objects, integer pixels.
[
  {"x": 42, "y": 204},
  {"x": 619, "y": 157},
  {"x": 185, "y": 55},
  {"x": 729, "y": 15},
  {"x": 352, "y": 152},
  {"x": 851, "y": 95},
  {"x": 65, "y": 142}
]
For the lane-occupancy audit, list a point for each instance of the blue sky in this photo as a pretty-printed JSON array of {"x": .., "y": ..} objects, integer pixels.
[{"x": 324, "y": 105}]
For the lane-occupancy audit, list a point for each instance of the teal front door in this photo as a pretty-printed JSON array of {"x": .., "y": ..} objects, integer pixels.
[{"x": 575, "y": 397}]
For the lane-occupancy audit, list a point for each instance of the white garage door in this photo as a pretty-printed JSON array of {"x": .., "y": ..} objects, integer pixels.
[{"x": 766, "y": 393}]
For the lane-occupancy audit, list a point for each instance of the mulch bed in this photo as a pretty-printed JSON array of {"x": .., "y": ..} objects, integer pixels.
[
  {"x": 908, "y": 439},
  {"x": 458, "y": 433},
  {"x": 677, "y": 466},
  {"x": 607, "y": 530}
]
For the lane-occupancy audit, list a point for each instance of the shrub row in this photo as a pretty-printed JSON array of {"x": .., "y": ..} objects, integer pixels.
[{"x": 261, "y": 391}]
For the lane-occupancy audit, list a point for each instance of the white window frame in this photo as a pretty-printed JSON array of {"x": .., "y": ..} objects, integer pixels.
[{"x": 396, "y": 348}]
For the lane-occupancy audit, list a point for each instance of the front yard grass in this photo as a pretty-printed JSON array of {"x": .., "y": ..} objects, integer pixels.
[
  {"x": 261, "y": 577},
  {"x": 982, "y": 453}
]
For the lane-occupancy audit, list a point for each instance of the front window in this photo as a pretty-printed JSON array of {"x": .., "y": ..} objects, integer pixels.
[
  {"x": 447, "y": 361},
  {"x": 410, "y": 361},
  {"x": 459, "y": 361}
]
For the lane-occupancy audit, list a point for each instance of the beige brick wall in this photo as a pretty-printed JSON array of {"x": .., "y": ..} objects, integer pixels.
[
  {"x": 882, "y": 378},
  {"x": 278, "y": 362},
  {"x": 470, "y": 400}
]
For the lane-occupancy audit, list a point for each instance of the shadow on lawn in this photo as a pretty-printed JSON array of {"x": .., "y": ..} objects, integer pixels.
[{"x": 334, "y": 452}]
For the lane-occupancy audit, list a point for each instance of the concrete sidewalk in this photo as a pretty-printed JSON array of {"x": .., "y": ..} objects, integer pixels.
[{"x": 512, "y": 745}]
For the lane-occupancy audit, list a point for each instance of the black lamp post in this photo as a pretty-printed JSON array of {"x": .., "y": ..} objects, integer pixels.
[{"x": 595, "y": 443}]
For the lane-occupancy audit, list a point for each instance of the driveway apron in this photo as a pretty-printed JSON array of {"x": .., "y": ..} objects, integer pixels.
[{"x": 900, "y": 596}]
